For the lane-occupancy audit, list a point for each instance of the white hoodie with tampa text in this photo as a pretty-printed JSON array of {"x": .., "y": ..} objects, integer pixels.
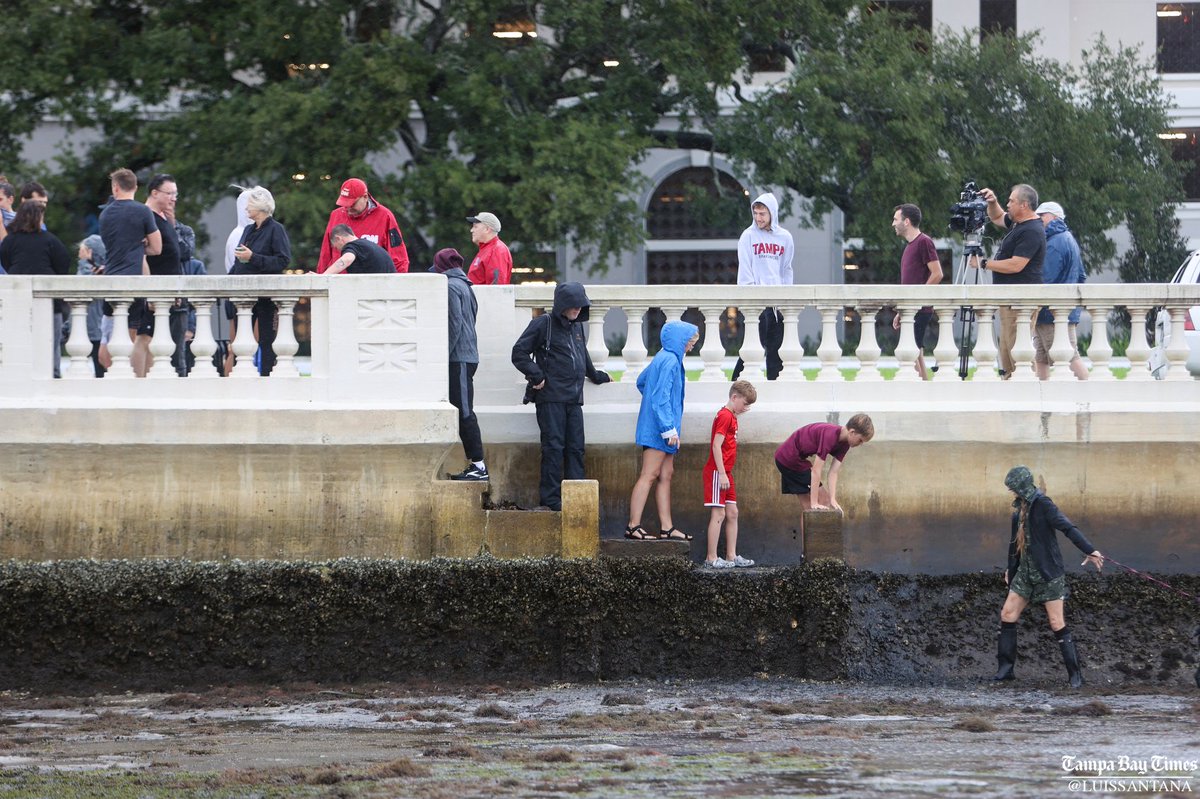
[{"x": 765, "y": 256}]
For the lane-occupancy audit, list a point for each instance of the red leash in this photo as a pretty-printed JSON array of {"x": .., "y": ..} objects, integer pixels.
[{"x": 1167, "y": 586}]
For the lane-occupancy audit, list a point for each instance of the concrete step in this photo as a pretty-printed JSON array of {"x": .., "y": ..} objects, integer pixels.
[{"x": 628, "y": 548}]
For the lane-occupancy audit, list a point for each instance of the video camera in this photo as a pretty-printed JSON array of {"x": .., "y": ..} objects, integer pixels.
[{"x": 969, "y": 216}]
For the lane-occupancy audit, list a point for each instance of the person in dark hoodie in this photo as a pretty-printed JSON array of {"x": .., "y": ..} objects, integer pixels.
[
  {"x": 264, "y": 249},
  {"x": 552, "y": 354},
  {"x": 1035, "y": 572},
  {"x": 464, "y": 355}
]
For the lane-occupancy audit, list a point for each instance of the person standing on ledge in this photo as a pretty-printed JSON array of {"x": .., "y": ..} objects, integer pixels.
[{"x": 1035, "y": 572}]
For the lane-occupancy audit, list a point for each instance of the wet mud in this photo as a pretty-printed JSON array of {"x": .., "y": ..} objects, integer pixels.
[{"x": 764, "y": 736}]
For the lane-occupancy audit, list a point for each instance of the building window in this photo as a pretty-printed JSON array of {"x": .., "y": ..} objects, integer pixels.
[
  {"x": 919, "y": 12},
  {"x": 766, "y": 58},
  {"x": 515, "y": 25},
  {"x": 692, "y": 266},
  {"x": 1178, "y": 37},
  {"x": 1185, "y": 148},
  {"x": 698, "y": 203},
  {"x": 997, "y": 17}
]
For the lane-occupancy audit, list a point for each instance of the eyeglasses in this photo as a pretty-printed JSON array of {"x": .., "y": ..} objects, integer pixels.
[{"x": 168, "y": 193}]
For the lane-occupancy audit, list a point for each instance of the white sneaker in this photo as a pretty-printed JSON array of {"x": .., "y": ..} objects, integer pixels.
[
  {"x": 738, "y": 560},
  {"x": 719, "y": 563}
]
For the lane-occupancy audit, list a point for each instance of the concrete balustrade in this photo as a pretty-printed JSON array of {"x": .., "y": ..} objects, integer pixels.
[{"x": 350, "y": 459}]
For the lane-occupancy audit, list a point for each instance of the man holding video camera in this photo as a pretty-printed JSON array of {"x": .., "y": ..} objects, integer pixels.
[{"x": 1019, "y": 259}]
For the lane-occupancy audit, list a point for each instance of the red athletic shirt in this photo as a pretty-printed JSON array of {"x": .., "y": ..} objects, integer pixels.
[
  {"x": 492, "y": 265},
  {"x": 725, "y": 424},
  {"x": 377, "y": 226}
]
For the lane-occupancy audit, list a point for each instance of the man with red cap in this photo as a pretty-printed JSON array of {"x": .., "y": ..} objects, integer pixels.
[{"x": 369, "y": 220}]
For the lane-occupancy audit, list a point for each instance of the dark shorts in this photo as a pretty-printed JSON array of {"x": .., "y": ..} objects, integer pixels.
[
  {"x": 792, "y": 481},
  {"x": 141, "y": 318},
  {"x": 1033, "y": 587},
  {"x": 920, "y": 325}
]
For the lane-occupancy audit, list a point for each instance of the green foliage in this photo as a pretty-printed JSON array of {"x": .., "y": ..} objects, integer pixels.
[{"x": 885, "y": 116}]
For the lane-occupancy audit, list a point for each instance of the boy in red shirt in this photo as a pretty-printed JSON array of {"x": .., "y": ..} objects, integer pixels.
[
  {"x": 719, "y": 491},
  {"x": 802, "y": 458}
]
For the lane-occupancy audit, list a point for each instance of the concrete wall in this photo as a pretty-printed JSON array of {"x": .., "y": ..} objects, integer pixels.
[{"x": 346, "y": 462}]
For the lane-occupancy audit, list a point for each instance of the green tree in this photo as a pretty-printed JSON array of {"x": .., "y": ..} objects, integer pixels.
[{"x": 539, "y": 130}]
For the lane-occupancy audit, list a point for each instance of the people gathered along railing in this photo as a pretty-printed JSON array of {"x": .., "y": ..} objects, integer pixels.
[{"x": 387, "y": 319}]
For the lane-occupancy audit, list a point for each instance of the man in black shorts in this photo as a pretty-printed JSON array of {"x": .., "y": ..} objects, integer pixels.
[
  {"x": 359, "y": 256},
  {"x": 130, "y": 234}
]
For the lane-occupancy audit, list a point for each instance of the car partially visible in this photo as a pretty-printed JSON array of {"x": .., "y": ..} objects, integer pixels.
[{"x": 1188, "y": 273}]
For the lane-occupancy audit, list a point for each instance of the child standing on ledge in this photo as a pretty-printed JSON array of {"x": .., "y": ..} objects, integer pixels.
[
  {"x": 720, "y": 494},
  {"x": 801, "y": 461},
  {"x": 659, "y": 422}
]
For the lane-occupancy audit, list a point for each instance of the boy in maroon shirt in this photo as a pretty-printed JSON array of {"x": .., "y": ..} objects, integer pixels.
[
  {"x": 719, "y": 491},
  {"x": 802, "y": 458}
]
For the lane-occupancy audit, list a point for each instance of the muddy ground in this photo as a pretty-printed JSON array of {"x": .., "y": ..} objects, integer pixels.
[{"x": 761, "y": 736}]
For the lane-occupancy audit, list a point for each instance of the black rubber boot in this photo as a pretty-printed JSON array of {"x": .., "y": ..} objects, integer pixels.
[
  {"x": 1006, "y": 652},
  {"x": 1070, "y": 657}
]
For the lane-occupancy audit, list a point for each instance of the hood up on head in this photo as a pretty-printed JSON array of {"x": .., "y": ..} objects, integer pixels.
[
  {"x": 675, "y": 335},
  {"x": 1019, "y": 480},
  {"x": 768, "y": 199},
  {"x": 571, "y": 295}
]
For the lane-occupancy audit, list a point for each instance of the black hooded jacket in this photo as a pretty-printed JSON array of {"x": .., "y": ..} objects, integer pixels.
[
  {"x": 553, "y": 349},
  {"x": 1041, "y": 543}
]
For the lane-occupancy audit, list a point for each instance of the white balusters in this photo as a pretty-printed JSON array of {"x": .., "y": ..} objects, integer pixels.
[
  {"x": 78, "y": 345},
  {"x": 244, "y": 346},
  {"x": 830, "y": 351},
  {"x": 1061, "y": 351},
  {"x": 751, "y": 352},
  {"x": 203, "y": 345},
  {"x": 1138, "y": 351},
  {"x": 1022, "y": 351},
  {"x": 596, "y": 347},
  {"x": 713, "y": 352},
  {"x": 985, "y": 344},
  {"x": 285, "y": 345},
  {"x": 791, "y": 352},
  {"x": 161, "y": 345},
  {"x": 868, "y": 346},
  {"x": 120, "y": 346},
  {"x": 634, "y": 351},
  {"x": 1177, "y": 347},
  {"x": 1100, "y": 351},
  {"x": 907, "y": 349},
  {"x": 945, "y": 352}
]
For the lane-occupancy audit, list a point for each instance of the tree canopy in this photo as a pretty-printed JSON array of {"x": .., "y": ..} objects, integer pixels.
[{"x": 443, "y": 118}]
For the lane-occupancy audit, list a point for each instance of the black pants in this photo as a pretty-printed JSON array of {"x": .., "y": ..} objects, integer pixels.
[
  {"x": 561, "y": 424},
  {"x": 264, "y": 314},
  {"x": 770, "y": 334},
  {"x": 462, "y": 396},
  {"x": 182, "y": 359}
]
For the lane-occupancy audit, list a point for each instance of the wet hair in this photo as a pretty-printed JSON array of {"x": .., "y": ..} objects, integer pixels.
[
  {"x": 1026, "y": 194},
  {"x": 340, "y": 230},
  {"x": 259, "y": 199},
  {"x": 28, "y": 218},
  {"x": 156, "y": 182},
  {"x": 125, "y": 179},
  {"x": 744, "y": 389},
  {"x": 862, "y": 424},
  {"x": 31, "y": 188},
  {"x": 910, "y": 212}
]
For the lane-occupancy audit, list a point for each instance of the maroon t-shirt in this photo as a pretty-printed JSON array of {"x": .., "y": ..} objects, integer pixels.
[
  {"x": 914, "y": 263},
  {"x": 820, "y": 439}
]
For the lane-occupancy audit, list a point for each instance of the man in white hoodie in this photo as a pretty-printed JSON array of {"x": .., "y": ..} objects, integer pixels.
[{"x": 765, "y": 259}]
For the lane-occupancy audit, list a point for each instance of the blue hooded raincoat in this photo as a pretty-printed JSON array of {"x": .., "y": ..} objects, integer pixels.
[{"x": 661, "y": 384}]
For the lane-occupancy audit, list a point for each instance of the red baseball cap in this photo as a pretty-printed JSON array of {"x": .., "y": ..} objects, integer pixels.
[{"x": 352, "y": 189}]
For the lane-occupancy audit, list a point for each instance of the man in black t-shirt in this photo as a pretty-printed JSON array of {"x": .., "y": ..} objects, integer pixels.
[
  {"x": 1019, "y": 259},
  {"x": 359, "y": 256}
]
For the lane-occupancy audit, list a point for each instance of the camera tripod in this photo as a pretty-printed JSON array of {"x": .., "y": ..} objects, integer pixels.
[{"x": 972, "y": 247}]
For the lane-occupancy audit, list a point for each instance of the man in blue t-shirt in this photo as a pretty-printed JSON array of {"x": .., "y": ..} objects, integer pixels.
[{"x": 1019, "y": 259}]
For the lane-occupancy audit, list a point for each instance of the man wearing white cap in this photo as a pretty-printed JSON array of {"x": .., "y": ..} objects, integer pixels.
[
  {"x": 369, "y": 220},
  {"x": 493, "y": 263},
  {"x": 1063, "y": 264}
]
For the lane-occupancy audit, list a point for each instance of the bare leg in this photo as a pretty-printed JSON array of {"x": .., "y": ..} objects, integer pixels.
[
  {"x": 714, "y": 532},
  {"x": 662, "y": 492},
  {"x": 139, "y": 359},
  {"x": 1078, "y": 369},
  {"x": 1054, "y": 613},
  {"x": 731, "y": 530},
  {"x": 920, "y": 366},
  {"x": 1015, "y": 604},
  {"x": 652, "y": 460},
  {"x": 1043, "y": 370}
]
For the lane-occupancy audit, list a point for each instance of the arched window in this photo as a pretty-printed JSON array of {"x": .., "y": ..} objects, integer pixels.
[{"x": 693, "y": 223}]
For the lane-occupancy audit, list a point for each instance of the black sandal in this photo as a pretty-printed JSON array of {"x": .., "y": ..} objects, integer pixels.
[
  {"x": 638, "y": 533},
  {"x": 670, "y": 535}
]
